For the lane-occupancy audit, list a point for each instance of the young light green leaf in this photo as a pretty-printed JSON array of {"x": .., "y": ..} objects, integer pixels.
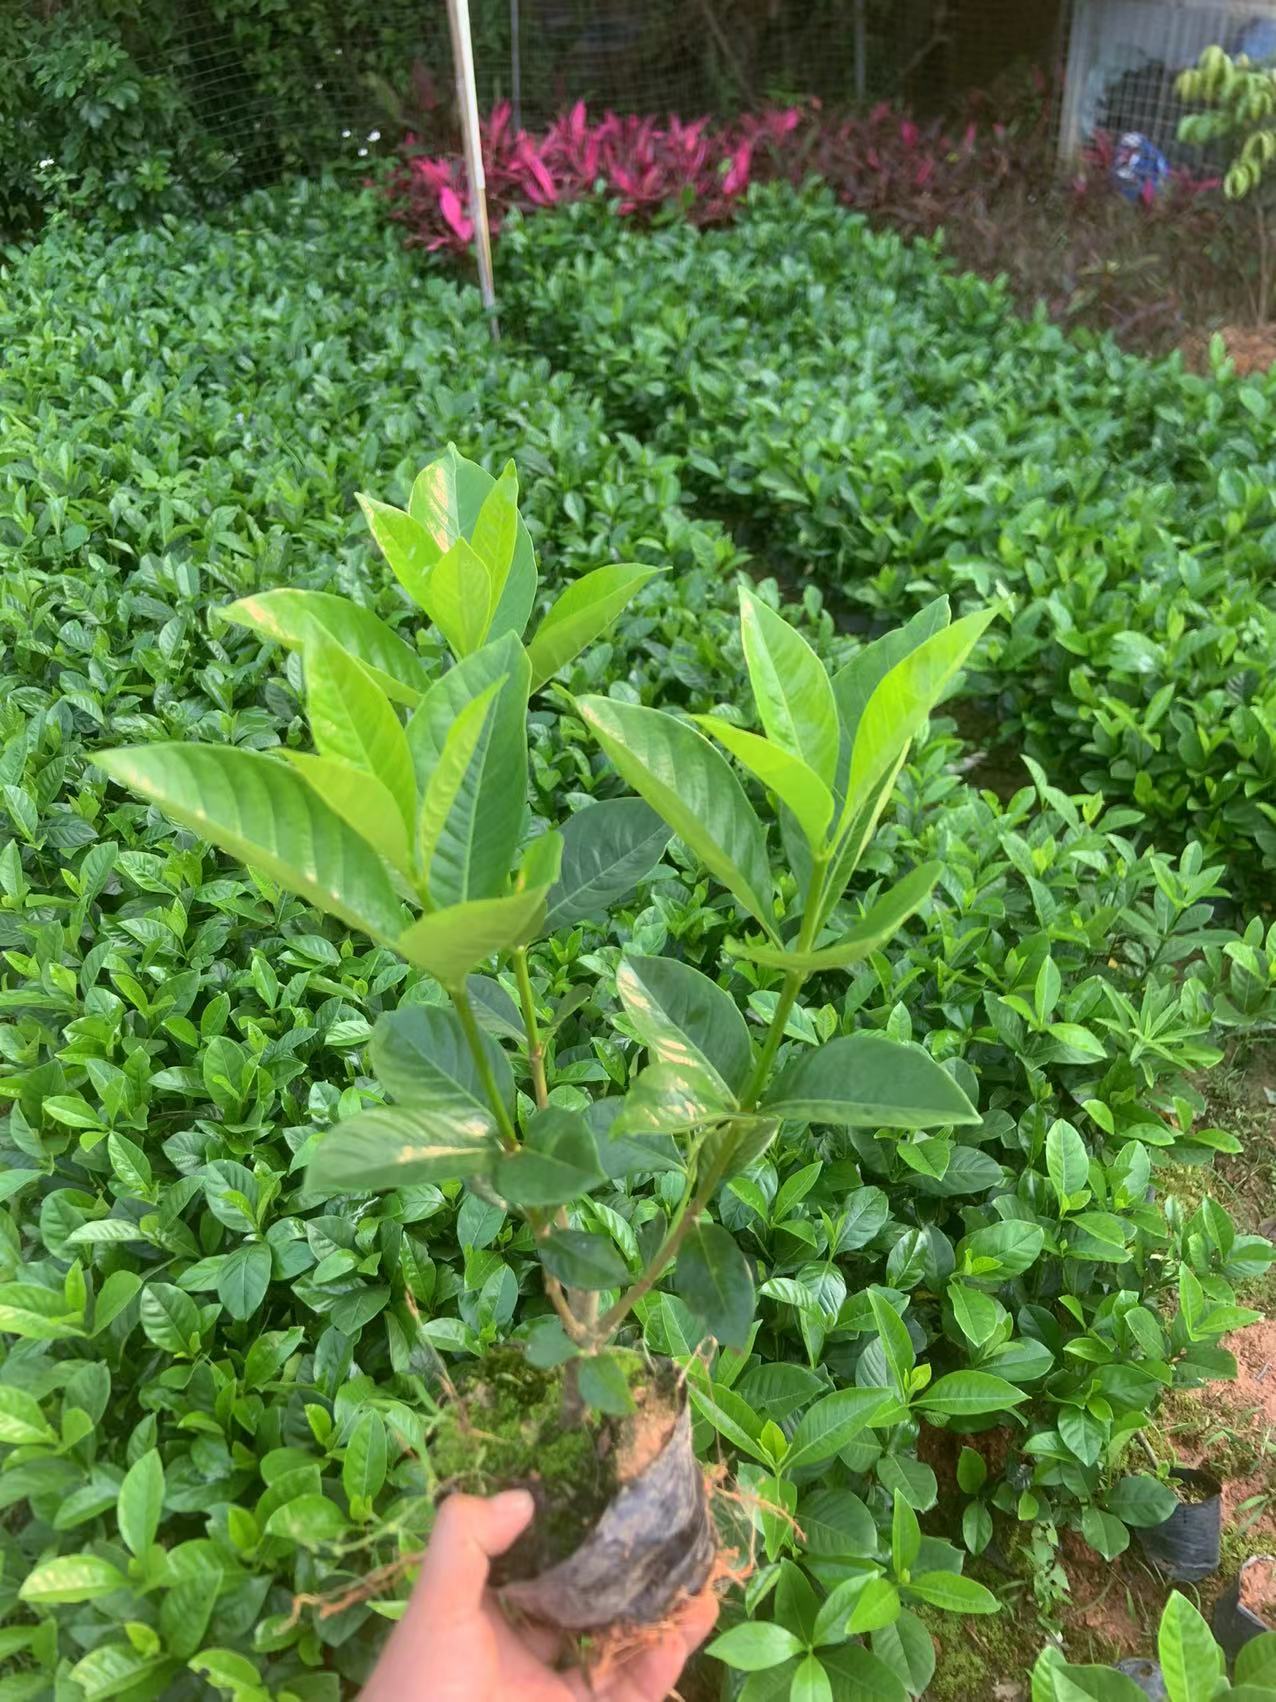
[
  {"x": 352, "y": 721},
  {"x": 461, "y": 598},
  {"x": 964, "y": 1394},
  {"x": 361, "y": 801},
  {"x": 70, "y": 1578},
  {"x": 810, "y": 1682},
  {"x": 582, "y": 613},
  {"x": 754, "y": 1646},
  {"x": 975, "y": 1313},
  {"x": 713, "y": 1278},
  {"x": 364, "y": 1467},
  {"x": 797, "y": 785},
  {"x": 903, "y": 700},
  {"x": 496, "y": 529},
  {"x": 607, "y": 849},
  {"x": 906, "y": 1536},
  {"x": 682, "y": 1017},
  {"x": 450, "y": 943},
  {"x": 21, "y": 1421},
  {"x": 296, "y": 618},
  {"x": 140, "y": 1502},
  {"x": 447, "y": 499},
  {"x": 791, "y": 688},
  {"x": 1067, "y": 1160},
  {"x": 458, "y": 863},
  {"x": 405, "y": 544},
  {"x": 1191, "y": 1661},
  {"x": 954, "y": 1593},
  {"x": 880, "y": 923},
  {"x": 896, "y": 1342},
  {"x": 259, "y": 810},
  {"x": 865, "y": 1080},
  {"x": 400, "y": 1146},
  {"x": 691, "y": 786}
]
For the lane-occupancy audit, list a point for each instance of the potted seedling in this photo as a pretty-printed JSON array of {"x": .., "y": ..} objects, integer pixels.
[
  {"x": 1247, "y": 1607},
  {"x": 409, "y": 821},
  {"x": 1190, "y": 1668}
]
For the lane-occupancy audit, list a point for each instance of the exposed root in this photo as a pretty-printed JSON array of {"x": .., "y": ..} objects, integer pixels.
[{"x": 342, "y": 1596}]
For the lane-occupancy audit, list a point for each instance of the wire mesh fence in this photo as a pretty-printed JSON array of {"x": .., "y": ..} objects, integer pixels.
[{"x": 326, "y": 81}]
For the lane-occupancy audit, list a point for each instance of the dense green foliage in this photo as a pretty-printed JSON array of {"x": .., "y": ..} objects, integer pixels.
[{"x": 216, "y": 1389}]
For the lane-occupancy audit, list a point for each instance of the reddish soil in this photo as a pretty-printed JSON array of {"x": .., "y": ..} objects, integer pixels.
[
  {"x": 645, "y": 1433},
  {"x": 1258, "y": 1588},
  {"x": 1251, "y": 347},
  {"x": 1115, "y": 1602},
  {"x": 1241, "y": 1418}
]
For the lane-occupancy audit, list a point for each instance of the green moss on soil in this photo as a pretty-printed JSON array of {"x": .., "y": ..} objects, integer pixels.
[
  {"x": 514, "y": 1426},
  {"x": 974, "y": 1654}
]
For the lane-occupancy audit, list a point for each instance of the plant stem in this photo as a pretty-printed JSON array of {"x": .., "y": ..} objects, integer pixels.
[
  {"x": 535, "y": 1047},
  {"x": 774, "y": 1035},
  {"x": 483, "y": 1064}
]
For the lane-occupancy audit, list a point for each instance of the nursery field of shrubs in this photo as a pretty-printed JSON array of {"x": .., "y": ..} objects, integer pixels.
[{"x": 223, "y": 1358}]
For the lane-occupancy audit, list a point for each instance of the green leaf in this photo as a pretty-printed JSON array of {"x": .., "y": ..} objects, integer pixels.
[
  {"x": 603, "y": 1385},
  {"x": 170, "y": 1319},
  {"x": 582, "y": 1260},
  {"x": 880, "y": 923},
  {"x": 754, "y": 1646},
  {"x": 976, "y": 1314},
  {"x": 954, "y": 1593},
  {"x": 244, "y": 1278},
  {"x": 461, "y": 598},
  {"x": 1067, "y": 1161},
  {"x": 1063, "y": 1682},
  {"x": 836, "y": 1524},
  {"x": 684, "y": 1018},
  {"x": 296, "y": 619},
  {"x": 976, "y": 1527},
  {"x": 670, "y": 1099},
  {"x": 906, "y": 1647},
  {"x": 499, "y": 782},
  {"x": 37, "y": 1313},
  {"x": 730, "y": 1416},
  {"x": 450, "y": 943},
  {"x": 877, "y": 1604},
  {"x": 22, "y": 1423},
  {"x": 833, "y": 1421},
  {"x": 260, "y": 811},
  {"x": 362, "y": 803},
  {"x": 421, "y": 1057},
  {"x": 557, "y": 1161},
  {"x": 364, "y": 1467},
  {"x": 906, "y": 1536},
  {"x": 580, "y": 614},
  {"x": 1000, "y": 1251},
  {"x": 447, "y": 499},
  {"x": 607, "y": 849},
  {"x": 1081, "y": 1433},
  {"x": 797, "y": 786},
  {"x": 1106, "y": 1535},
  {"x": 70, "y": 1578},
  {"x": 352, "y": 721},
  {"x": 141, "y": 1501},
  {"x": 405, "y": 544},
  {"x": 792, "y": 691},
  {"x": 972, "y": 1471},
  {"x": 685, "y": 781},
  {"x": 495, "y": 534},
  {"x": 855, "y": 684},
  {"x": 712, "y": 1276},
  {"x": 867, "y": 1081},
  {"x": 905, "y": 697},
  {"x": 457, "y": 861},
  {"x": 810, "y": 1682},
  {"x": 897, "y": 1344},
  {"x": 1141, "y": 1500},
  {"x": 1256, "y": 1661},
  {"x": 400, "y": 1146},
  {"x": 1191, "y": 1661},
  {"x": 965, "y": 1394},
  {"x": 310, "y": 1521},
  {"x": 860, "y": 1676}
]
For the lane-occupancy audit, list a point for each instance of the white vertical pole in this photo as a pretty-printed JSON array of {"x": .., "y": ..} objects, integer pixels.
[{"x": 458, "y": 12}]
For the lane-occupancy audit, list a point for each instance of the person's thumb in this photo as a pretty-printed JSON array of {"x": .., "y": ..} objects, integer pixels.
[{"x": 467, "y": 1533}]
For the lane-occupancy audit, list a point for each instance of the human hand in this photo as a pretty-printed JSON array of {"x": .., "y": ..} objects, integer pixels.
[{"x": 454, "y": 1644}]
